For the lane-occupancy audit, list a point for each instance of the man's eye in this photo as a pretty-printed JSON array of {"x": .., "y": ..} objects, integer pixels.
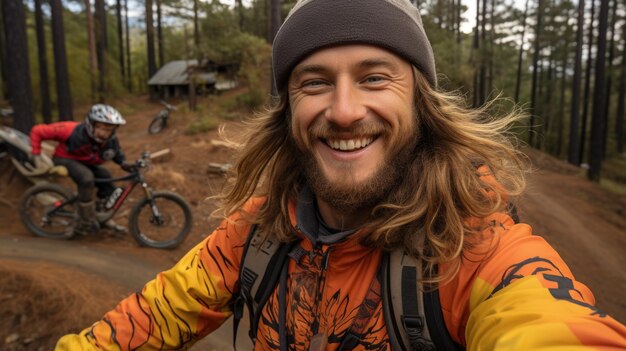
[
  {"x": 312, "y": 83},
  {"x": 374, "y": 79}
]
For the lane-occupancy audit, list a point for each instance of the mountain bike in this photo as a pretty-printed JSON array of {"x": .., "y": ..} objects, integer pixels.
[
  {"x": 159, "y": 219},
  {"x": 159, "y": 122}
]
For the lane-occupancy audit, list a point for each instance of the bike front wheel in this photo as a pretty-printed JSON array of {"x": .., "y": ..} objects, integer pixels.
[
  {"x": 48, "y": 210},
  {"x": 162, "y": 222},
  {"x": 157, "y": 125}
]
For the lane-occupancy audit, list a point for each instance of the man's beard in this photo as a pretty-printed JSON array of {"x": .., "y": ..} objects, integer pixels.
[{"x": 348, "y": 196}]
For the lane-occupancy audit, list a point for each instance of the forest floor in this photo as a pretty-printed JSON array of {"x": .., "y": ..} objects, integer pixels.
[{"x": 49, "y": 288}]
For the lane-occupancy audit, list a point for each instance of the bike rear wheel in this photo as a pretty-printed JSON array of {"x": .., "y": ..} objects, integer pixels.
[
  {"x": 48, "y": 211},
  {"x": 162, "y": 222},
  {"x": 157, "y": 125}
]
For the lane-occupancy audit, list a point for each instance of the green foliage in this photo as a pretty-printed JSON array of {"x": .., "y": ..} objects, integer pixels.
[
  {"x": 206, "y": 117},
  {"x": 202, "y": 125},
  {"x": 251, "y": 99}
]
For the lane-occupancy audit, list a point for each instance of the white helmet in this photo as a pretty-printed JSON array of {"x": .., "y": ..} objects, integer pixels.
[{"x": 103, "y": 114}]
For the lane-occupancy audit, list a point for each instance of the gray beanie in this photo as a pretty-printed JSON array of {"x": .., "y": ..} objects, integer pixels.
[{"x": 394, "y": 25}]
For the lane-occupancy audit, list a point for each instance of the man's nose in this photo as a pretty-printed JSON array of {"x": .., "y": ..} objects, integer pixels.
[{"x": 347, "y": 104}]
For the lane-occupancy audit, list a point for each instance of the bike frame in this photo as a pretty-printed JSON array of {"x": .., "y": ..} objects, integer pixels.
[{"x": 135, "y": 178}]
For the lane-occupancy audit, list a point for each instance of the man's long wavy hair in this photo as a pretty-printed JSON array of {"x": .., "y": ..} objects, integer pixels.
[{"x": 428, "y": 212}]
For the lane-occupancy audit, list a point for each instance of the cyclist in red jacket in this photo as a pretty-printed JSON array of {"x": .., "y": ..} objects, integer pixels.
[{"x": 82, "y": 148}]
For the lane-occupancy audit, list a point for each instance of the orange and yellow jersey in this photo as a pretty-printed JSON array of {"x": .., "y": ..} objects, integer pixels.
[{"x": 513, "y": 292}]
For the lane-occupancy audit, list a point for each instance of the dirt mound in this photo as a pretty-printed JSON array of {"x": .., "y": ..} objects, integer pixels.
[{"x": 39, "y": 304}]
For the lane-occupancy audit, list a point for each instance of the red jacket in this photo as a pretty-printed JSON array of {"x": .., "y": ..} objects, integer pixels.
[{"x": 75, "y": 143}]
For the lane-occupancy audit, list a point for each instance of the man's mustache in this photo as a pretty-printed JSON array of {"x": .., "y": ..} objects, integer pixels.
[{"x": 325, "y": 129}]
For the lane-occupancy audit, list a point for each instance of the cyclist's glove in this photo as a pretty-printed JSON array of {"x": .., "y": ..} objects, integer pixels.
[{"x": 128, "y": 167}]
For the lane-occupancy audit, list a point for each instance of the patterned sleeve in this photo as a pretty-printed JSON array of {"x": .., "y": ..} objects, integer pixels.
[
  {"x": 522, "y": 296},
  {"x": 179, "y": 307}
]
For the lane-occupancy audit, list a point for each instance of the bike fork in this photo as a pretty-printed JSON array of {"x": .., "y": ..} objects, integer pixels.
[{"x": 156, "y": 215}]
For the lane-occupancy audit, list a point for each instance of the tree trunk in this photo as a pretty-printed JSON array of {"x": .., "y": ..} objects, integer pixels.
[
  {"x": 120, "y": 37},
  {"x": 257, "y": 19},
  {"x": 533, "y": 93},
  {"x": 458, "y": 23},
  {"x": 609, "y": 80},
  {"x": 572, "y": 154},
  {"x": 129, "y": 71},
  {"x": 196, "y": 31},
  {"x": 268, "y": 16},
  {"x": 583, "y": 131},
  {"x": 518, "y": 80},
  {"x": 597, "y": 128},
  {"x": 491, "y": 47},
  {"x": 483, "y": 56},
  {"x": 619, "y": 119},
  {"x": 44, "y": 82},
  {"x": 275, "y": 21},
  {"x": 3, "y": 60},
  {"x": 561, "y": 116},
  {"x": 160, "y": 34},
  {"x": 547, "y": 114},
  {"x": 91, "y": 42},
  {"x": 101, "y": 46},
  {"x": 18, "y": 72},
  {"x": 150, "y": 43},
  {"x": 240, "y": 14},
  {"x": 476, "y": 54},
  {"x": 64, "y": 96}
]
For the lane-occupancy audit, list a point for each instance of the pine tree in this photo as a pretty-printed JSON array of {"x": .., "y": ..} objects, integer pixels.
[
  {"x": 120, "y": 38},
  {"x": 18, "y": 71},
  {"x": 572, "y": 155},
  {"x": 586, "y": 99},
  {"x": 91, "y": 44},
  {"x": 44, "y": 83},
  {"x": 597, "y": 128},
  {"x": 101, "y": 46},
  {"x": 64, "y": 96}
]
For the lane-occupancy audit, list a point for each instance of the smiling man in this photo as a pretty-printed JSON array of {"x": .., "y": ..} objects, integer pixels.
[
  {"x": 354, "y": 123},
  {"x": 368, "y": 211}
]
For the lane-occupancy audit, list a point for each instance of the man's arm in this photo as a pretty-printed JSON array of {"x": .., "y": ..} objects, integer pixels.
[
  {"x": 54, "y": 131},
  {"x": 37, "y": 135},
  {"x": 119, "y": 157},
  {"x": 177, "y": 308},
  {"x": 524, "y": 297}
]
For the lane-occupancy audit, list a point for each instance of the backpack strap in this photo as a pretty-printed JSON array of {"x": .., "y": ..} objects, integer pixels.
[
  {"x": 403, "y": 306},
  {"x": 259, "y": 272},
  {"x": 413, "y": 316},
  {"x": 434, "y": 317}
]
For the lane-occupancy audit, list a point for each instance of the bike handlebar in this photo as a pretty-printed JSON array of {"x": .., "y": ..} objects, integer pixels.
[
  {"x": 168, "y": 106},
  {"x": 6, "y": 112},
  {"x": 144, "y": 160}
]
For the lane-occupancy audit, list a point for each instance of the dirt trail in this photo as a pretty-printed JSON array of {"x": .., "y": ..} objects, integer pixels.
[
  {"x": 584, "y": 222},
  {"x": 122, "y": 272},
  {"x": 587, "y": 226}
]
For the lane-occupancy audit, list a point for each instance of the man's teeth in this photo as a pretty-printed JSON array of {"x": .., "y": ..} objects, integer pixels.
[{"x": 349, "y": 144}]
